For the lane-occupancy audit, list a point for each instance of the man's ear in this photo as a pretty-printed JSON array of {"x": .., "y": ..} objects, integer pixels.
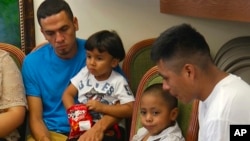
[
  {"x": 174, "y": 114},
  {"x": 42, "y": 31},
  {"x": 189, "y": 70},
  {"x": 75, "y": 22}
]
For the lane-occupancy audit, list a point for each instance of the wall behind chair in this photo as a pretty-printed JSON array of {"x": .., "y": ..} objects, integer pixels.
[{"x": 136, "y": 20}]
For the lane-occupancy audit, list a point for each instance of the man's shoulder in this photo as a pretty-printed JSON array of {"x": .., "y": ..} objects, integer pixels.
[
  {"x": 38, "y": 53},
  {"x": 80, "y": 41}
]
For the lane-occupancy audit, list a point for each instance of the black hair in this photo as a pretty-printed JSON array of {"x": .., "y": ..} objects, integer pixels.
[
  {"x": 51, "y": 7},
  {"x": 106, "y": 41},
  {"x": 156, "y": 89},
  {"x": 181, "y": 41}
]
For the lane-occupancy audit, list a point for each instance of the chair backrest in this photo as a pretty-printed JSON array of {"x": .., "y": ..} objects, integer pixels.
[
  {"x": 18, "y": 55},
  {"x": 187, "y": 118},
  {"x": 137, "y": 62}
]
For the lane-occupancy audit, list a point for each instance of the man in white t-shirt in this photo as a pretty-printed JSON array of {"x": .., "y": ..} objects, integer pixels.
[{"x": 184, "y": 61}]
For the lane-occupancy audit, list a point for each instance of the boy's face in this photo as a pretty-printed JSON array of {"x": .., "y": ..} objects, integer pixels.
[
  {"x": 100, "y": 64},
  {"x": 155, "y": 114}
]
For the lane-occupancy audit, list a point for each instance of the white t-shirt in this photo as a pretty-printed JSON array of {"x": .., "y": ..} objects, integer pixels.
[
  {"x": 109, "y": 91},
  {"x": 227, "y": 104},
  {"x": 172, "y": 133}
]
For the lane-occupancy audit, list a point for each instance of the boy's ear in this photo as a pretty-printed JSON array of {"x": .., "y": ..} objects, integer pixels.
[
  {"x": 174, "y": 114},
  {"x": 115, "y": 62}
]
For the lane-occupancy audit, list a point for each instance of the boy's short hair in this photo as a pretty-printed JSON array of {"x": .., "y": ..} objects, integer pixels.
[
  {"x": 156, "y": 89},
  {"x": 106, "y": 41}
]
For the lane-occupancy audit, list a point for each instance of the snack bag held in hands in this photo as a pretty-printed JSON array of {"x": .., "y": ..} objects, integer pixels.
[{"x": 80, "y": 120}]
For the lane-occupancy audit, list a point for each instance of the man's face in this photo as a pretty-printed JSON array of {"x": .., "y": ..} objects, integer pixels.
[
  {"x": 179, "y": 84},
  {"x": 60, "y": 31}
]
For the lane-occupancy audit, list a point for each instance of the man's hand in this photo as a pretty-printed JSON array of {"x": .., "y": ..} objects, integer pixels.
[{"x": 93, "y": 134}]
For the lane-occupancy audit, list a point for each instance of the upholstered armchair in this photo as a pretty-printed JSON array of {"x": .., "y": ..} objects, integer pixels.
[{"x": 137, "y": 62}]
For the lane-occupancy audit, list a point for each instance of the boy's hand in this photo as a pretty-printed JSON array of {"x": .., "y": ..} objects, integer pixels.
[{"x": 95, "y": 105}]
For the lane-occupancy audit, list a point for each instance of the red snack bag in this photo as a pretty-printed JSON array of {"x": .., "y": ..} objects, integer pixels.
[{"x": 80, "y": 120}]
